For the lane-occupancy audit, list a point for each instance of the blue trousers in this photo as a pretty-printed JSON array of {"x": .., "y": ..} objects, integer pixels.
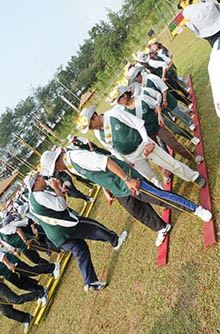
[
  {"x": 80, "y": 251},
  {"x": 166, "y": 198}
]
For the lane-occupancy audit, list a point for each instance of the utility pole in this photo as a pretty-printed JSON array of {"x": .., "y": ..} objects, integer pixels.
[
  {"x": 10, "y": 167},
  {"x": 45, "y": 127},
  {"x": 26, "y": 163},
  {"x": 69, "y": 103},
  {"x": 27, "y": 145},
  {"x": 68, "y": 90}
]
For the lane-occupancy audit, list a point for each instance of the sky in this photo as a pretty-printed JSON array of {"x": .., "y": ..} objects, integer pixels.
[{"x": 37, "y": 36}]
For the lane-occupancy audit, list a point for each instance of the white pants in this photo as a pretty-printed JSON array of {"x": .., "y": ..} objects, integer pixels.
[
  {"x": 143, "y": 167},
  {"x": 214, "y": 75},
  {"x": 160, "y": 158}
]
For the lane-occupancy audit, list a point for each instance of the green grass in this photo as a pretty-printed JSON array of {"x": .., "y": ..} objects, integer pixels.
[{"x": 180, "y": 298}]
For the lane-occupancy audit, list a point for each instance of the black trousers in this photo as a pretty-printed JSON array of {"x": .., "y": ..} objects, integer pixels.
[
  {"x": 26, "y": 270},
  {"x": 24, "y": 283},
  {"x": 74, "y": 192},
  {"x": 88, "y": 228},
  {"x": 139, "y": 208},
  {"x": 8, "y": 296},
  {"x": 33, "y": 256}
]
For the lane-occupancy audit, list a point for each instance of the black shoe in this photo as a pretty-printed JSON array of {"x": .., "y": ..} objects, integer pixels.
[{"x": 200, "y": 181}]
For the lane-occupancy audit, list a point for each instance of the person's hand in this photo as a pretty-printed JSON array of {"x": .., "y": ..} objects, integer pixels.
[
  {"x": 164, "y": 104},
  {"x": 28, "y": 243},
  {"x": 160, "y": 120},
  {"x": 17, "y": 252},
  {"x": 133, "y": 184},
  {"x": 55, "y": 184},
  {"x": 149, "y": 148},
  {"x": 109, "y": 196},
  {"x": 11, "y": 266}
]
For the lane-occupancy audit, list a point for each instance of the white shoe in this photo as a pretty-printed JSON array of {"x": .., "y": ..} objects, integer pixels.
[
  {"x": 202, "y": 213},
  {"x": 192, "y": 127},
  {"x": 161, "y": 234},
  {"x": 27, "y": 324},
  {"x": 91, "y": 199},
  {"x": 121, "y": 240},
  {"x": 195, "y": 140},
  {"x": 95, "y": 286},
  {"x": 199, "y": 159},
  {"x": 190, "y": 106},
  {"x": 56, "y": 271},
  {"x": 43, "y": 300}
]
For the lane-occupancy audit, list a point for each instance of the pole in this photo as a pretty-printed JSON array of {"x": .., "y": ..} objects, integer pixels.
[
  {"x": 27, "y": 164},
  {"x": 10, "y": 167},
  {"x": 45, "y": 127},
  {"x": 68, "y": 90},
  {"x": 69, "y": 103},
  {"x": 27, "y": 145}
]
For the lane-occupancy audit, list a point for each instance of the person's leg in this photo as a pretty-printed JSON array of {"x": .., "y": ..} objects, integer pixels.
[
  {"x": 80, "y": 251},
  {"x": 214, "y": 75},
  {"x": 24, "y": 283},
  {"x": 171, "y": 141},
  {"x": 154, "y": 195},
  {"x": 74, "y": 192},
  {"x": 27, "y": 270},
  {"x": 11, "y": 313},
  {"x": 143, "y": 167},
  {"x": 183, "y": 117},
  {"x": 174, "y": 127},
  {"x": 161, "y": 158},
  {"x": 7, "y": 295},
  {"x": 143, "y": 212},
  {"x": 34, "y": 257},
  {"x": 88, "y": 228}
]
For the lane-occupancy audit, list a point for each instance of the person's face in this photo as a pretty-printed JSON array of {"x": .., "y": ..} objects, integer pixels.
[
  {"x": 40, "y": 182},
  {"x": 123, "y": 100},
  {"x": 153, "y": 55},
  {"x": 95, "y": 122},
  {"x": 59, "y": 164},
  {"x": 139, "y": 78},
  {"x": 154, "y": 46}
]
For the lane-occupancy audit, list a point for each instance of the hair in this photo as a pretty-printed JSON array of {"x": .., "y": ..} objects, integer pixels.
[
  {"x": 130, "y": 66},
  {"x": 95, "y": 113}
]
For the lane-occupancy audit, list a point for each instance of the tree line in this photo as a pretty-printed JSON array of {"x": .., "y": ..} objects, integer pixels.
[{"x": 101, "y": 56}]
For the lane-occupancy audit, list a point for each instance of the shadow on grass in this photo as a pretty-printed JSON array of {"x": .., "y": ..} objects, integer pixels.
[
  {"x": 127, "y": 227},
  {"x": 182, "y": 318}
]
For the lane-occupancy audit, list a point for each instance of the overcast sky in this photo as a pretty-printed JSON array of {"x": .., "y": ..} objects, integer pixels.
[{"x": 37, "y": 36}]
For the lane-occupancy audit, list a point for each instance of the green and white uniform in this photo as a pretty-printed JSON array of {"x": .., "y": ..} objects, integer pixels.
[{"x": 127, "y": 134}]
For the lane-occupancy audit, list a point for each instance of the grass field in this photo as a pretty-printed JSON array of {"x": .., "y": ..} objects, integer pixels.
[{"x": 181, "y": 298}]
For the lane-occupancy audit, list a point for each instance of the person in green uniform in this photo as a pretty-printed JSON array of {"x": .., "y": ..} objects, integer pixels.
[
  {"x": 66, "y": 229},
  {"x": 121, "y": 180}
]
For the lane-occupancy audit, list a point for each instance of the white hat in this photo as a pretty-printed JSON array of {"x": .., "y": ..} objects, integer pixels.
[
  {"x": 84, "y": 119},
  {"x": 122, "y": 90},
  {"x": 48, "y": 160},
  {"x": 30, "y": 179},
  {"x": 23, "y": 209},
  {"x": 132, "y": 74},
  {"x": 70, "y": 138},
  {"x": 205, "y": 18},
  {"x": 142, "y": 57}
]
